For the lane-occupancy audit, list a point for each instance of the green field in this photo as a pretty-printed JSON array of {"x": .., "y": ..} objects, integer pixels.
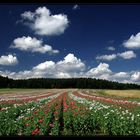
[
  {"x": 8, "y": 90},
  {"x": 18, "y": 91}
]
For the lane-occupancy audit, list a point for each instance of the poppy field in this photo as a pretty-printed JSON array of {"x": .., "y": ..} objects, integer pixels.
[{"x": 67, "y": 113}]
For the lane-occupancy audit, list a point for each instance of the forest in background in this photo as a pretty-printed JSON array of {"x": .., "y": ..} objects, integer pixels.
[{"x": 49, "y": 83}]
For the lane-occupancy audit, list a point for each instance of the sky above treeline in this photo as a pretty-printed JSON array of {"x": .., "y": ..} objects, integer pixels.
[{"x": 71, "y": 40}]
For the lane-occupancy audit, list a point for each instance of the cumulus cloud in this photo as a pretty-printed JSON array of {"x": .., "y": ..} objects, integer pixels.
[
  {"x": 102, "y": 71},
  {"x": 135, "y": 76},
  {"x": 71, "y": 66},
  {"x": 106, "y": 57},
  {"x": 133, "y": 42},
  {"x": 45, "y": 65},
  {"x": 44, "y": 23},
  {"x": 110, "y": 48},
  {"x": 75, "y": 7},
  {"x": 127, "y": 55},
  {"x": 32, "y": 45},
  {"x": 121, "y": 75},
  {"x": 8, "y": 60},
  {"x": 124, "y": 55}
]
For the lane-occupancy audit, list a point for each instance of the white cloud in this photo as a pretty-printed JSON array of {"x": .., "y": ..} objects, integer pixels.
[
  {"x": 75, "y": 7},
  {"x": 106, "y": 57},
  {"x": 44, "y": 23},
  {"x": 121, "y": 75},
  {"x": 135, "y": 76},
  {"x": 71, "y": 66},
  {"x": 101, "y": 71},
  {"x": 124, "y": 55},
  {"x": 45, "y": 69},
  {"x": 127, "y": 55},
  {"x": 45, "y": 65},
  {"x": 8, "y": 60},
  {"x": 111, "y": 48},
  {"x": 32, "y": 45},
  {"x": 133, "y": 42}
]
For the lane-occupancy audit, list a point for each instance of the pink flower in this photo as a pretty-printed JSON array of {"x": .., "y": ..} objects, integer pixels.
[
  {"x": 40, "y": 121},
  {"x": 27, "y": 124},
  {"x": 51, "y": 125}
]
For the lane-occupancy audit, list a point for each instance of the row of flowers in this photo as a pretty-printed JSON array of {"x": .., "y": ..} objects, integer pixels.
[
  {"x": 25, "y": 100},
  {"x": 109, "y": 119},
  {"x": 69, "y": 113},
  {"x": 111, "y": 100},
  {"x": 75, "y": 118},
  {"x": 18, "y": 120},
  {"x": 28, "y": 104},
  {"x": 21, "y": 97}
]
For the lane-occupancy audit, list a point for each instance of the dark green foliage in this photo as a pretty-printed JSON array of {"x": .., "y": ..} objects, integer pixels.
[
  {"x": 4, "y": 82},
  {"x": 90, "y": 83}
]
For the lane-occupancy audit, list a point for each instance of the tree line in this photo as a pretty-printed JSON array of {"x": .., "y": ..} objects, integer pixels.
[{"x": 90, "y": 83}]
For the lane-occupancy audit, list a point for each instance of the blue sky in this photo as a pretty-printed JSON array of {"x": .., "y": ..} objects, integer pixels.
[{"x": 63, "y": 41}]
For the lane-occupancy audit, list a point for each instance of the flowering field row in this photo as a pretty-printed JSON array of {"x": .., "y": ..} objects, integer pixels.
[
  {"x": 11, "y": 115},
  {"x": 23, "y": 99},
  {"x": 68, "y": 113},
  {"x": 110, "y": 119},
  {"x": 111, "y": 100}
]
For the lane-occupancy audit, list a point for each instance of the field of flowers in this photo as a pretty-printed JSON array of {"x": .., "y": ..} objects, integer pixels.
[{"x": 72, "y": 113}]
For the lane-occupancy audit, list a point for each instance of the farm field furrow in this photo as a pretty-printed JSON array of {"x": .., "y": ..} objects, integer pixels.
[{"x": 67, "y": 113}]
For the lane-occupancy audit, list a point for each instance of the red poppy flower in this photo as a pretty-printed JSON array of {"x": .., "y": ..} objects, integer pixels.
[
  {"x": 27, "y": 124},
  {"x": 40, "y": 121},
  {"x": 34, "y": 112},
  {"x": 56, "y": 112}
]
